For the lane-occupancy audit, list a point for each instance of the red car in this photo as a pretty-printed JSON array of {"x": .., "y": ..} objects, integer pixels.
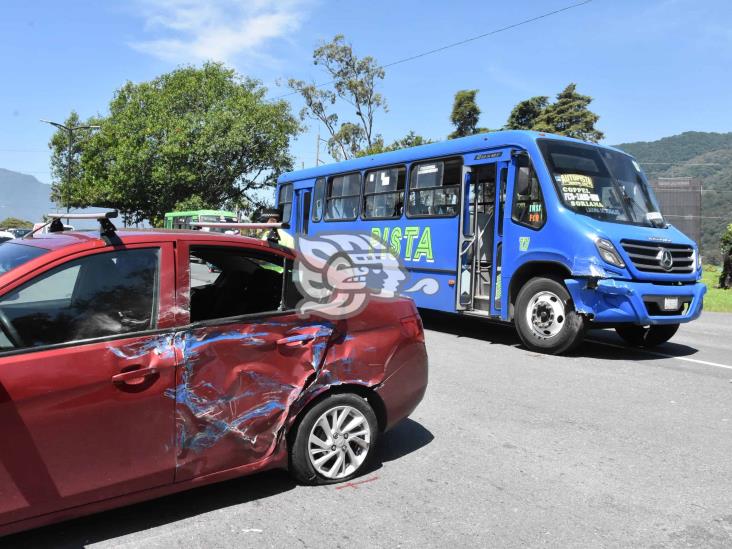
[{"x": 127, "y": 371}]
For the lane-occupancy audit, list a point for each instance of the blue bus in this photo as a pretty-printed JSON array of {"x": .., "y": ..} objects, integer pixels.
[{"x": 554, "y": 234}]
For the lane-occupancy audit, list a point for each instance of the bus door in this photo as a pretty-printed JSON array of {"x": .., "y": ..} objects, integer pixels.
[
  {"x": 302, "y": 211},
  {"x": 479, "y": 237}
]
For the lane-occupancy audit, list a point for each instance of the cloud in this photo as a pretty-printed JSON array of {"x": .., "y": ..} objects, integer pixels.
[{"x": 217, "y": 30}]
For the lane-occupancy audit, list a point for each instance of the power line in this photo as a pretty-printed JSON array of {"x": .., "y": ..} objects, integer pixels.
[{"x": 461, "y": 42}]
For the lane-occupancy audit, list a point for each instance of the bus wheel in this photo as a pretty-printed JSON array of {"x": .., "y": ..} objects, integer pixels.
[
  {"x": 647, "y": 336},
  {"x": 545, "y": 317}
]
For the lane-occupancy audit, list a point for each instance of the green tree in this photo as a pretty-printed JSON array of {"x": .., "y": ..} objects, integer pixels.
[
  {"x": 205, "y": 132},
  {"x": 193, "y": 202},
  {"x": 726, "y": 241},
  {"x": 15, "y": 223},
  {"x": 354, "y": 83},
  {"x": 409, "y": 140},
  {"x": 569, "y": 115},
  {"x": 465, "y": 114},
  {"x": 524, "y": 114},
  {"x": 66, "y": 187}
]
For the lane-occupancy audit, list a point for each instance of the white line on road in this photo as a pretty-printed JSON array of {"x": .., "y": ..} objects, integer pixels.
[{"x": 664, "y": 355}]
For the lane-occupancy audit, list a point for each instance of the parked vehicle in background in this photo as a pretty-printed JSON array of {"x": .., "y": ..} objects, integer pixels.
[
  {"x": 551, "y": 233},
  {"x": 184, "y": 219},
  {"x": 5, "y": 236},
  {"x": 127, "y": 371},
  {"x": 18, "y": 233}
]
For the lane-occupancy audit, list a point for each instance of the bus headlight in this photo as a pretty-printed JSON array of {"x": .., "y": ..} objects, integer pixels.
[{"x": 608, "y": 252}]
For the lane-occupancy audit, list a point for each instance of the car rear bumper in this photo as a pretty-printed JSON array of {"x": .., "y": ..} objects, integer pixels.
[
  {"x": 627, "y": 302},
  {"x": 406, "y": 384}
]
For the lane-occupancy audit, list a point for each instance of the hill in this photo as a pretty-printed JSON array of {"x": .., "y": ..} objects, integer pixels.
[
  {"x": 705, "y": 155},
  {"x": 23, "y": 196}
]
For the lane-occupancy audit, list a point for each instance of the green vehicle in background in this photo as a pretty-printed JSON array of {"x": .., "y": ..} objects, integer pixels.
[{"x": 183, "y": 220}]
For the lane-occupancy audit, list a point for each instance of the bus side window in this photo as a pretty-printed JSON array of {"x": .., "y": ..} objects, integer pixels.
[
  {"x": 284, "y": 202},
  {"x": 318, "y": 200},
  {"x": 528, "y": 202},
  {"x": 383, "y": 194},
  {"x": 343, "y": 195},
  {"x": 434, "y": 188}
]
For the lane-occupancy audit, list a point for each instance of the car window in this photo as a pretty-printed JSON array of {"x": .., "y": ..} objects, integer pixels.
[
  {"x": 95, "y": 296},
  {"x": 229, "y": 282}
]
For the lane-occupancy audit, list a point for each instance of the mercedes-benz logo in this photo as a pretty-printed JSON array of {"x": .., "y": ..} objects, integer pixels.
[{"x": 665, "y": 259}]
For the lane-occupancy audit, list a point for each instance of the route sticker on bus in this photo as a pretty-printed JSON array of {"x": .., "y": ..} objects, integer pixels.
[
  {"x": 577, "y": 191},
  {"x": 427, "y": 168}
]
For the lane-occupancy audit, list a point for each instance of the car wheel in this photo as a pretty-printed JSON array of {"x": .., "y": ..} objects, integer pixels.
[
  {"x": 647, "y": 336},
  {"x": 545, "y": 317},
  {"x": 335, "y": 440}
]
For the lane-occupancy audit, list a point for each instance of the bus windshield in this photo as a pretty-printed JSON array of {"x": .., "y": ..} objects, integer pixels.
[{"x": 601, "y": 183}]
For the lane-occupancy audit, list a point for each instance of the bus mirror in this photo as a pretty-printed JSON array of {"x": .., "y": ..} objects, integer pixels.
[{"x": 523, "y": 181}]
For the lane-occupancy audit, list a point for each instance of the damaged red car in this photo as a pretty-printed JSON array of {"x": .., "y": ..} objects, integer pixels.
[{"x": 128, "y": 371}]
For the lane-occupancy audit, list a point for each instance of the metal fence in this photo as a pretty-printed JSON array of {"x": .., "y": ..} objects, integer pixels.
[{"x": 681, "y": 203}]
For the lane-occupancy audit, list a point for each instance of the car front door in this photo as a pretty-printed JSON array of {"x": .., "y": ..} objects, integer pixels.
[
  {"x": 244, "y": 359},
  {"x": 86, "y": 373}
]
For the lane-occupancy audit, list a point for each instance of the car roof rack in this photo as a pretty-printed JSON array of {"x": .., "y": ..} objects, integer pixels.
[
  {"x": 107, "y": 230},
  {"x": 273, "y": 236}
]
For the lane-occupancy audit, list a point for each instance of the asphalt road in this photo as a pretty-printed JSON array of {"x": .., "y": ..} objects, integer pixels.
[{"x": 608, "y": 447}]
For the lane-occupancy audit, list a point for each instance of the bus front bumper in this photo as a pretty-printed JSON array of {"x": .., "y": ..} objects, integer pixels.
[{"x": 625, "y": 302}]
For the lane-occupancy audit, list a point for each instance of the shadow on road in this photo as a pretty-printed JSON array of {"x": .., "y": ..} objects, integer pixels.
[
  {"x": 601, "y": 344},
  {"x": 608, "y": 345},
  {"x": 406, "y": 437}
]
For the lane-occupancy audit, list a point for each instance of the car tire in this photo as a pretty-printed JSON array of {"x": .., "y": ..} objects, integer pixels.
[
  {"x": 346, "y": 430},
  {"x": 545, "y": 317},
  {"x": 647, "y": 336}
]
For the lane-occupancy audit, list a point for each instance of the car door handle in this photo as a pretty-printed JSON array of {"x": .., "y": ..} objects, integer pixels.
[
  {"x": 297, "y": 340},
  {"x": 136, "y": 376}
]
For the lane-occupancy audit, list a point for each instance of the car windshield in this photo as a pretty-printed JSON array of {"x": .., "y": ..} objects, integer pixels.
[
  {"x": 601, "y": 183},
  {"x": 13, "y": 255}
]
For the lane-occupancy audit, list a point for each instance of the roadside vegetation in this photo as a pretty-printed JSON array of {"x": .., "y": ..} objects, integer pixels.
[{"x": 716, "y": 300}]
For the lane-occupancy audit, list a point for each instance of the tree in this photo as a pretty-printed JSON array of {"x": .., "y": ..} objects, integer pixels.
[
  {"x": 465, "y": 114},
  {"x": 205, "y": 131},
  {"x": 354, "y": 83},
  {"x": 726, "y": 241},
  {"x": 65, "y": 166},
  {"x": 15, "y": 223},
  {"x": 193, "y": 202},
  {"x": 409, "y": 140},
  {"x": 524, "y": 114},
  {"x": 569, "y": 115}
]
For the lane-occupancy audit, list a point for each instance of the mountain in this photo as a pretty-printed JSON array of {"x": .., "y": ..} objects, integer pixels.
[
  {"x": 23, "y": 196},
  {"x": 705, "y": 155}
]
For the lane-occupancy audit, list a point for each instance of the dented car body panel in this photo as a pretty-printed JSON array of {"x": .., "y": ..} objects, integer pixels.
[{"x": 110, "y": 420}]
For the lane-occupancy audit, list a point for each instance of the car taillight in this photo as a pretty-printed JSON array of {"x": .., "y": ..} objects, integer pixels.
[{"x": 412, "y": 327}]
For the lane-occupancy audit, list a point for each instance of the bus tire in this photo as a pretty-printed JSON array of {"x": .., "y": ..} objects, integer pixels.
[
  {"x": 545, "y": 317},
  {"x": 647, "y": 336}
]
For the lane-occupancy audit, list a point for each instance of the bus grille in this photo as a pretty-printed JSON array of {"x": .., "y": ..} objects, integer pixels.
[{"x": 646, "y": 256}]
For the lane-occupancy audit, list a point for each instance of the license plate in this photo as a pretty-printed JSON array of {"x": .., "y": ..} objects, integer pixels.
[{"x": 670, "y": 303}]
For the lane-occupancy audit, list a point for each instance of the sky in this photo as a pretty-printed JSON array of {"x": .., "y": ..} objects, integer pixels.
[{"x": 654, "y": 67}]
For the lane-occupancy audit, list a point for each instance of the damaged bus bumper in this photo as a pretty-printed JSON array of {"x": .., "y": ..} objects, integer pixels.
[{"x": 610, "y": 301}]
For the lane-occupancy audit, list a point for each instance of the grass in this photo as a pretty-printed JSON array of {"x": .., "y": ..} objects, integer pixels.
[{"x": 716, "y": 300}]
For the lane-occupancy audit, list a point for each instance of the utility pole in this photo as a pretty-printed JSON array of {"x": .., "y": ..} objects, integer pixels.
[
  {"x": 318, "y": 161},
  {"x": 70, "y": 131},
  {"x": 317, "y": 149}
]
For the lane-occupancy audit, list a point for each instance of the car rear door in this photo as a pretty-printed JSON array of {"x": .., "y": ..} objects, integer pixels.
[
  {"x": 238, "y": 375},
  {"x": 86, "y": 375}
]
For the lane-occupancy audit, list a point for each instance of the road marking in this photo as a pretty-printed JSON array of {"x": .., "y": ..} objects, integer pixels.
[{"x": 663, "y": 355}]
